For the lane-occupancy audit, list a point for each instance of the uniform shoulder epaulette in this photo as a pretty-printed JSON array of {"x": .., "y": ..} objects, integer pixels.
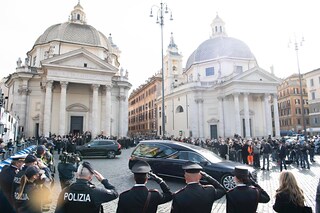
[
  {"x": 180, "y": 190},
  {"x": 230, "y": 190},
  {"x": 126, "y": 191},
  {"x": 207, "y": 186}
]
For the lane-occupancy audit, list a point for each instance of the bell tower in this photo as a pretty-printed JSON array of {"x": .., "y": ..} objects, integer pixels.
[{"x": 172, "y": 67}]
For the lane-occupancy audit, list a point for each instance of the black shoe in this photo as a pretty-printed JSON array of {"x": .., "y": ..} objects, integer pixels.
[
  {"x": 263, "y": 169},
  {"x": 267, "y": 169}
]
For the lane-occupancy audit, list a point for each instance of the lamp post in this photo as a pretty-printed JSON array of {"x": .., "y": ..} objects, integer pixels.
[
  {"x": 161, "y": 11},
  {"x": 296, "y": 48}
]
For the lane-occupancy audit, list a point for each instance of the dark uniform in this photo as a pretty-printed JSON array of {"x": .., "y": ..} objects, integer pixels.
[
  {"x": 17, "y": 178},
  {"x": 6, "y": 179},
  {"x": 141, "y": 199},
  {"x": 31, "y": 198},
  {"x": 196, "y": 197},
  {"x": 244, "y": 198},
  {"x": 83, "y": 196}
]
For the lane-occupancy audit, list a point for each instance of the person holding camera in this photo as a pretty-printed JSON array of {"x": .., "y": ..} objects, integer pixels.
[
  {"x": 246, "y": 196},
  {"x": 83, "y": 196},
  {"x": 67, "y": 167},
  {"x": 196, "y": 197},
  {"x": 140, "y": 199}
]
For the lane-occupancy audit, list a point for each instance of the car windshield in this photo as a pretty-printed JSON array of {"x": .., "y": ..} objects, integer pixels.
[{"x": 213, "y": 158}]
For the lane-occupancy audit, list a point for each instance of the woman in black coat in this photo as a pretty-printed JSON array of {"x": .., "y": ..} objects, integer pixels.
[{"x": 289, "y": 197}]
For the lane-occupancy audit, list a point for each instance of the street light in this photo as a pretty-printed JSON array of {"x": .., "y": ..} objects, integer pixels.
[
  {"x": 296, "y": 48},
  {"x": 161, "y": 11}
]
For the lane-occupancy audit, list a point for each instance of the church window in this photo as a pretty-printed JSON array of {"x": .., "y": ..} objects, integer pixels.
[
  {"x": 221, "y": 29},
  {"x": 238, "y": 69},
  {"x": 34, "y": 60},
  {"x": 179, "y": 109},
  {"x": 209, "y": 71},
  {"x": 174, "y": 68},
  {"x": 216, "y": 28},
  {"x": 311, "y": 82},
  {"x": 78, "y": 16},
  {"x": 85, "y": 65}
]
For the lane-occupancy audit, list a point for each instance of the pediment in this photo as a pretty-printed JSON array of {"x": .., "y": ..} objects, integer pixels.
[
  {"x": 36, "y": 117},
  {"x": 77, "y": 107},
  {"x": 251, "y": 112},
  {"x": 79, "y": 59},
  {"x": 257, "y": 74},
  {"x": 212, "y": 120}
]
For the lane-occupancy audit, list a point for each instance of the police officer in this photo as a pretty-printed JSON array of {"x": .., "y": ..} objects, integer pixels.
[
  {"x": 30, "y": 160},
  {"x": 6, "y": 179},
  {"x": 244, "y": 198},
  {"x": 82, "y": 196},
  {"x": 67, "y": 169},
  {"x": 139, "y": 198},
  {"x": 28, "y": 197},
  {"x": 196, "y": 197}
]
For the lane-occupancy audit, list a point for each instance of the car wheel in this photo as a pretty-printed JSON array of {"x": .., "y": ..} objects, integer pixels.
[
  {"x": 111, "y": 154},
  {"x": 228, "y": 182}
]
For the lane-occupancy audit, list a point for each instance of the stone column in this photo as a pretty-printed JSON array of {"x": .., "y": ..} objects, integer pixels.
[
  {"x": 47, "y": 109},
  {"x": 95, "y": 88},
  {"x": 267, "y": 114},
  {"x": 237, "y": 113},
  {"x": 108, "y": 110},
  {"x": 276, "y": 115},
  {"x": 24, "y": 91},
  {"x": 201, "y": 117},
  {"x": 41, "y": 119},
  {"x": 122, "y": 99},
  {"x": 221, "y": 117},
  {"x": 246, "y": 114},
  {"x": 62, "y": 117}
]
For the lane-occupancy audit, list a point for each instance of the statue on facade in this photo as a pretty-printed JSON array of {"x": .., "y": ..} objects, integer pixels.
[{"x": 19, "y": 62}]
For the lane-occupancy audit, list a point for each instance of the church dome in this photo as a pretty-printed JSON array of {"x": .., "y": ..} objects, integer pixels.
[
  {"x": 76, "y": 31},
  {"x": 73, "y": 33},
  {"x": 219, "y": 46}
]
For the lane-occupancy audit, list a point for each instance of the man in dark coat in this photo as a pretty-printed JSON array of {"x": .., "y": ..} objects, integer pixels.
[
  {"x": 244, "y": 198},
  {"x": 282, "y": 155},
  {"x": 139, "y": 198},
  {"x": 196, "y": 197},
  {"x": 6, "y": 179}
]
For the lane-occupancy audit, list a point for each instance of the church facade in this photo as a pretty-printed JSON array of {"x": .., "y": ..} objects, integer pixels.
[
  {"x": 221, "y": 91},
  {"x": 70, "y": 82}
]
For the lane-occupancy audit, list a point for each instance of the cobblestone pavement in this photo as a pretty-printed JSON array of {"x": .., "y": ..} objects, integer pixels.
[{"x": 118, "y": 174}]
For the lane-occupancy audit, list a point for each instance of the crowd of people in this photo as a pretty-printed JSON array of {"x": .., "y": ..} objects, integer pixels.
[
  {"x": 26, "y": 184},
  {"x": 250, "y": 151}
]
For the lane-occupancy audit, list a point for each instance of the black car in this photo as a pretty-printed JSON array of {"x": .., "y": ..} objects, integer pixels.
[
  {"x": 167, "y": 157},
  {"x": 100, "y": 148}
]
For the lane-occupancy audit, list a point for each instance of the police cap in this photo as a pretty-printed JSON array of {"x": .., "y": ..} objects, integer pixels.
[
  {"x": 30, "y": 158},
  {"x": 33, "y": 170},
  {"x": 18, "y": 157},
  {"x": 141, "y": 167},
  {"x": 41, "y": 149},
  {"x": 191, "y": 167},
  {"x": 241, "y": 172}
]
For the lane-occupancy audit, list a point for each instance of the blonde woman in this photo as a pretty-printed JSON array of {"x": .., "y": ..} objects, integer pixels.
[
  {"x": 289, "y": 197},
  {"x": 27, "y": 196}
]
